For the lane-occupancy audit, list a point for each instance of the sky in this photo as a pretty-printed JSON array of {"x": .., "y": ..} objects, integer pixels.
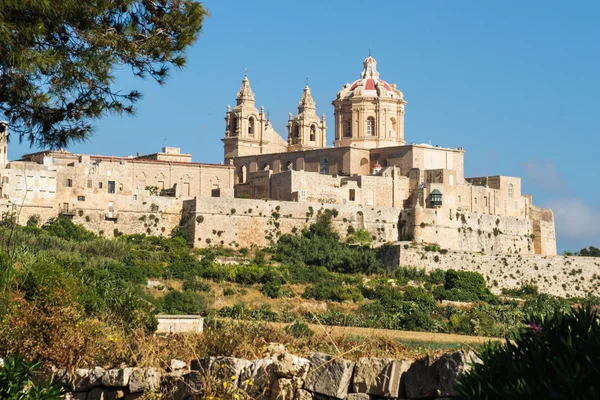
[{"x": 515, "y": 83}]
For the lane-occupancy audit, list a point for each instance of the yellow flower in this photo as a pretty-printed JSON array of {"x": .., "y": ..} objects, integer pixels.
[
  {"x": 224, "y": 384},
  {"x": 233, "y": 377},
  {"x": 237, "y": 396}
]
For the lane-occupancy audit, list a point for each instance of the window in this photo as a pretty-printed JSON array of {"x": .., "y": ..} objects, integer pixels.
[
  {"x": 371, "y": 126},
  {"x": 108, "y": 173},
  {"x": 485, "y": 203},
  {"x": 69, "y": 183},
  {"x": 459, "y": 199},
  {"x": 80, "y": 198},
  {"x": 234, "y": 127},
  {"x": 250, "y": 126},
  {"x": 348, "y": 131},
  {"x": 120, "y": 187},
  {"x": 475, "y": 200},
  {"x": 303, "y": 195},
  {"x": 135, "y": 197},
  {"x": 89, "y": 183},
  {"x": 100, "y": 185},
  {"x": 111, "y": 186},
  {"x": 352, "y": 195},
  {"x": 313, "y": 133},
  {"x": 511, "y": 190}
]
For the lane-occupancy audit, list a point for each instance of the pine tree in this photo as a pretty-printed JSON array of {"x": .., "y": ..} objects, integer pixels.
[{"x": 58, "y": 57}]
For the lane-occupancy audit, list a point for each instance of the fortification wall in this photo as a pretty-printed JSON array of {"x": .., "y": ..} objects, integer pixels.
[
  {"x": 246, "y": 222},
  {"x": 469, "y": 232},
  {"x": 543, "y": 229},
  {"x": 557, "y": 275}
]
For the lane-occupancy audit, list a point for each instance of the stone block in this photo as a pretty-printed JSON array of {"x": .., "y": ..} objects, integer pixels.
[
  {"x": 302, "y": 394},
  {"x": 117, "y": 377},
  {"x": 95, "y": 377},
  {"x": 81, "y": 379},
  {"x": 152, "y": 376},
  {"x": 137, "y": 381},
  {"x": 177, "y": 364},
  {"x": 194, "y": 382},
  {"x": 202, "y": 364},
  {"x": 381, "y": 377},
  {"x": 435, "y": 377},
  {"x": 287, "y": 365},
  {"x": 75, "y": 396},
  {"x": 358, "y": 396},
  {"x": 257, "y": 378},
  {"x": 329, "y": 375},
  {"x": 226, "y": 368}
]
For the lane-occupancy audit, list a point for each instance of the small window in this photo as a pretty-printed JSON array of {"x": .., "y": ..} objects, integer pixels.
[
  {"x": 303, "y": 195},
  {"x": 111, "y": 186},
  {"x": 89, "y": 183},
  {"x": 352, "y": 195},
  {"x": 313, "y": 133},
  {"x": 485, "y": 203},
  {"x": 250, "y": 126},
  {"x": 69, "y": 182},
  {"x": 120, "y": 187},
  {"x": 371, "y": 126},
  {"x": 511, "y": 190},
  {"x": 348, "y": 131},
  {"x": 135, "y": 197},
  {"x": 475, "y": 200},
  {"x": 80, "y": 198},
  {"x": 324, "y": 167},
  {"x": 459, "y": 199},
  {"x": 100, "y": 185}
]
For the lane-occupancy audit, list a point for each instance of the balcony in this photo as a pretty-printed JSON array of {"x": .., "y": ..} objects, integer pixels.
[
  {"x": 111, "y": 216},
  {"x": 67, "y": 211}
]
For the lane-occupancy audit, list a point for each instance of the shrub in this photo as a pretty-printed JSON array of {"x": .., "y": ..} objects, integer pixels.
[
  {"x": 333, "y": 291},
  {"x": 228, "y": 292},
  {"x": 196, "y": 286},
  {"x": 271, "y": 289},
  {"x": 64, "y": 228},
  {"x": 464, "y": 286},
  {"x": 186, "y": 302},
  {"x": 299, "y": 329},
  {"x": 554, "y": 356},
  {"x": 18, "y": 381},
  {"x": 360, "y": 236}
]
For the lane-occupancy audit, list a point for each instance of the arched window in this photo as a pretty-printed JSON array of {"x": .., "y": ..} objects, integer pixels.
[
  {"x": 348, "y": 131},
  {"x": 394, "y": 125},
  {"x": 297, "y": 131},
  {"x": 234, "y": 126},
  {"x": 313, "y": 133},
  {"x": 511, "y": 190},
  {"x": 266, "y": 167},
  {"x": 250, "y": 126},
  {"x": 371, "y": 126},
  {"x": 289, "y": 166}
]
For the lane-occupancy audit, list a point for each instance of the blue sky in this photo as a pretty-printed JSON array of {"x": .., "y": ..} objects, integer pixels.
[{"x": 513, "y": 82}]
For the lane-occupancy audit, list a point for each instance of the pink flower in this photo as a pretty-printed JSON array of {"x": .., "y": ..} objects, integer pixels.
[{"x": 534, "y": 327}]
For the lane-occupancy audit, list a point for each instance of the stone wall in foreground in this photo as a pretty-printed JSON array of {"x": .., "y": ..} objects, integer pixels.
[
  {"x": 278, "y": 376},
  {"x": 557, "y": 275}
]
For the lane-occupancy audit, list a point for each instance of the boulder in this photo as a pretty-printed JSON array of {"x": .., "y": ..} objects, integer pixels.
[
  {"x": 381, "y": 377},
  {"x": 302, "y": 394},
  {"x": 257, "y": 378},
  {"x": 229, "y": 368},
  {"x": 117, "y": 377},
  {"x": 287, "y": 365},
  {"x": 435, "y": 377},
  {"x": 329, "y": 375},
  {"x": 194, "y": 383},
  {"x": 274, "y": 349},
  {"x": 152, "y": 376},
  {"x": 137, "y": 381},
  {"x": 202, "y": 364},
  {"x": 177, "y": 364}
]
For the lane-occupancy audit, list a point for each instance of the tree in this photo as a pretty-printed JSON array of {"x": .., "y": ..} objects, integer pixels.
[
  {"x": 58, "y": 57},
  {"x": 591, "y": 252}
]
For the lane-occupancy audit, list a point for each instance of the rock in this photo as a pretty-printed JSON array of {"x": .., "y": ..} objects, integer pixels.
[
  {"x": 380, "y": 377},
  {"x": 287, "y": 365},
  {"x": 137, "y": 381},
  {"x": 62, "y": 376},
  {"x": 177, "y": 364},
  {"x": 329, "y": 375},
  {"x": 75, "y": 396},
  {"x": 302, "y": 394},
  {"x": 152, "y": 376},
  {"x": 117, "y": 377},
  {"x": 95, "y": 377},
  {"x": 274, "y": 349},
  {"x": 81, "y": 379},
  {"x": 194, "y": 382},
  {"x": 431, "y": 378},
  {"x": 228, "y": 369},
  {"x": 115, "y": 395},
  {"x": 283, "y": 389},
  {"x": 202, "y": 364},
  {"x": 257, "y": 378},
  {"x": 97, "y": 394},
  {"x": 358, "y": 396}
]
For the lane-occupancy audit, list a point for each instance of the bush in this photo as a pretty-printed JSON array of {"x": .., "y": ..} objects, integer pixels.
[
  {"x": 271, "y": 289},
  {"x": 64, "y": 228},
  {"x": 228, "y": 292},
  {"x": 554, "y": 356},
  {"x": 299, "y": 329},
  {"x": 186, "y": 302},
  {"x": 17, "y": 381},
  {"x": 196, "y": 286},
  {"x": 333, "y": 291},
  {"x": 464, "y": 286}
]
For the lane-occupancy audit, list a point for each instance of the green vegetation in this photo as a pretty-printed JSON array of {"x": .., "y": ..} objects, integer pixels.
[
  {"x": 18, "y": 381},
  {"x": 553, "y": 357}
]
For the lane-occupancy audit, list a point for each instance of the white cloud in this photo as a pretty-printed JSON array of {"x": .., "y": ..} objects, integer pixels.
[
  {"x": 543, "y": 174},
  {"x": 575, "y": 220}
]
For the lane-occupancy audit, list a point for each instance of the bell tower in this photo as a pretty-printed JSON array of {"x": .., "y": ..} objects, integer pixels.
[
  {"x": 248, "y": 130},
  {"x": 306, "y": 130}
]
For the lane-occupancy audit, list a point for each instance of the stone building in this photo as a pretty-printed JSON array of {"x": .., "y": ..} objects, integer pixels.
[{"x": 375, "y": 181}]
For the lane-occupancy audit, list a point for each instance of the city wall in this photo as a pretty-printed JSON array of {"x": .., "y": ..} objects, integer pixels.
[
  {"x": 246, "y": 222},
  {"x": 557, "y": 275}
]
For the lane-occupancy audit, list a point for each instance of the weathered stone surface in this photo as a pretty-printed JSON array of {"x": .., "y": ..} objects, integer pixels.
[
  {"x": 152, "y": 376},
  {"x": 287, "y": 365},
  {"x": 257, "y": 378},
  {"x": 133, "y": 396},
  {"x": 283, "y": 389},
  {"x": 202, "y": 364},
  {"x": 97, "y": 394},
  {"x": 380, "y": 377},
  {"x": 75, "y": 396},
  {"x": 328, "y": 375},
  {"x": 229, "y": 368},
  {"x": 193, "y": 382},
  {"x": 435, "y": 377},
  {"x": 137, "y": 381},
  {"x": 274, "y": 349},
  {"x": 81, "y": 379},
  {"x": 62, "y": 376},
  {"x": 177, "y": 364},
  {"x": 302, "y": 394},
  {"x": 117, "y": 377},
  {"x": 358, "y": 396}
]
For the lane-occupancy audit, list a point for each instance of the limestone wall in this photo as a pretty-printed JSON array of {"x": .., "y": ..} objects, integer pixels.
[
  {"x": 556, "y": 275},
  {"x": 244, "y": 222},
  {"x": 278, "y": 375},
  {"x": 469, "y": 232}
]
